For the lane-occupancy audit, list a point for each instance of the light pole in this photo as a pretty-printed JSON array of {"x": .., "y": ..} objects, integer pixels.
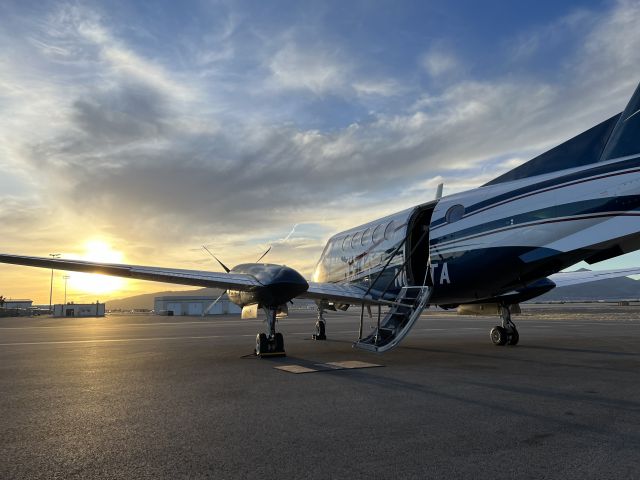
[
  {"x": 66, "y": 277},
  {"x": 52, "y": 255}
]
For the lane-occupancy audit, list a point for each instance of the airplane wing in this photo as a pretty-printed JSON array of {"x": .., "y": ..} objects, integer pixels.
[
  {"x": 564, "y": 279},
  {"x": 340, "y": 293},
  {"x": 240, "y": 281},
  {"x": 197, "y": 278}
]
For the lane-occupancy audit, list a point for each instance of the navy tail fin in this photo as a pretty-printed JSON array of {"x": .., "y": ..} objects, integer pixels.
[
  {"x": 625, "y": 138},
  {"x": 619, "y": 136},
  {"x": 581, "y": 150}
]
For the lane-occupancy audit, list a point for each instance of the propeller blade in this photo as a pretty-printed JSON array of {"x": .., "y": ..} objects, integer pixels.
[
  {"x": 264, "y": 254},
  {"x": 208, "y": 309},
  {"x": 226, "y": 269}
]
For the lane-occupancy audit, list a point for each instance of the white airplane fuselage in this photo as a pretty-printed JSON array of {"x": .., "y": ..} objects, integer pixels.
[{"x": 494, "y": 239}]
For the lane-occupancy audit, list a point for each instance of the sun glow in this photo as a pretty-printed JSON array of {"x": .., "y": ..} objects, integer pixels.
[{"x": 97, "y": 251}]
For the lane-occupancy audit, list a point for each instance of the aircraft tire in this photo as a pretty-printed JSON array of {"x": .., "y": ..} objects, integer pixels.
[
  {"x": 320, "y": 331},
  {"x": 498, "y": 336},
  {"x": 514, "y": 338},
  {"x": 279, "y": 342},
  {"x": 261, "y": 344}
]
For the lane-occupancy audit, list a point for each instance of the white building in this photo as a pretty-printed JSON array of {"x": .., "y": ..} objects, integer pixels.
[
  {"x": 79, "y": 310},
  {"x": 194, "y": 305},
  {"x": 17, "y": 304}
]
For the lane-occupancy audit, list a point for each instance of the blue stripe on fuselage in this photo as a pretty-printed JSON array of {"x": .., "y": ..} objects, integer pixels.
[
  {"x": 615, "y": 168},
  {"x": 605, "y": 205}
]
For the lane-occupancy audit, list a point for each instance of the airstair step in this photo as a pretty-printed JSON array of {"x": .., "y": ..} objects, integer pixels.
[{"x": 397, "y": 322}]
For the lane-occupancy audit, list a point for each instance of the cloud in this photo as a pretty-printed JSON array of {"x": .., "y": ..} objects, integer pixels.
[
  {"x": 313, "y": 69},
  {"x": 559, "y": 33},
  {"x": 438, "y": 62},
  {"x": 384, "y": 88},
  {"x": 323, "y": 70},
  {"x": 145, "y": 155},
  {"x": 82, "y": 32}
]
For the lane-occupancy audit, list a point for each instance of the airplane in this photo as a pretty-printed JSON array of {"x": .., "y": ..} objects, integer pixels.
[{"x": 500, "y": 244}]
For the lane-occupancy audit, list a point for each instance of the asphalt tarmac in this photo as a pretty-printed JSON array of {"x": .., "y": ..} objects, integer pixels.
[{"x": 175, "y": 397}]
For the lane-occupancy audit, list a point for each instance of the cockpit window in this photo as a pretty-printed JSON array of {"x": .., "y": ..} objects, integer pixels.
[{"x": 455, "y": 213}]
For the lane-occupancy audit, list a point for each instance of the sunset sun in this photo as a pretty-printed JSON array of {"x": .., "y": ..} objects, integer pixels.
[{"x": 97, "y": 251}]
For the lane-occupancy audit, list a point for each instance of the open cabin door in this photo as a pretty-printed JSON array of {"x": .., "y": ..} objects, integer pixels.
[
  {"x": 417, "y": 250},
  {"x": 413, "y": 297}
]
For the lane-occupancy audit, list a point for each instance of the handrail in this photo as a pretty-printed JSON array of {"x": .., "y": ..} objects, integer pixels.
[
  {"x": 404, "y": 264},
  {"x": 395, "y": 252}
]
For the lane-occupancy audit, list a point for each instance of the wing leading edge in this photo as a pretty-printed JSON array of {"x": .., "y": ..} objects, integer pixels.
[{"x": 197, "y": 278}]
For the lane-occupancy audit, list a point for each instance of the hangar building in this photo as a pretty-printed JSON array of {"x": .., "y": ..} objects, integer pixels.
[
  {"x": 20, "y": 304},
  {"x": 16, "y": 308},
  {"x": 193, "y": 305}
]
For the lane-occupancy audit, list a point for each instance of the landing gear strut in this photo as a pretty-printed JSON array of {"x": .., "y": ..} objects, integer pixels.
[
  {"x": 270, "y": 344},
  {"x": 320, "y": 326},
  {"x": 507, "y": 333}
]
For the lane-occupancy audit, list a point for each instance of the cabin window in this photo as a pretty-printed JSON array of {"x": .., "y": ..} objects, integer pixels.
[
  {"x": 345, "y": 242},
  {"x": 378, "y": 233},
  {"x": 388, "y": 232},
  {"x": 366, "y": 237},
  {"x": 355, "y": 242},
  {"x": 455, "y": 213}
]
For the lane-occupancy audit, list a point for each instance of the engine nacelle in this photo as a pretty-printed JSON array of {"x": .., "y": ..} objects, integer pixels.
[{"x": 486, "y": 309}]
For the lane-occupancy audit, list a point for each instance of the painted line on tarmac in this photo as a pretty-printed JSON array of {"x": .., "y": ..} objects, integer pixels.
[
  {"x": 108, "y": 340},
  {"x": 117, "y": 325}
]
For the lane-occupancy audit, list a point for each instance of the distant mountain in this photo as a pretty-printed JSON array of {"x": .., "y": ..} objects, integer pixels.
[
  {"x": 146, "y": 301},
  {"x": 610, "y": 289}
]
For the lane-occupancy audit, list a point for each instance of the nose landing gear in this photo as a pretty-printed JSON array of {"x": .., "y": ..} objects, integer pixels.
[{"x": 507, "y": 334}]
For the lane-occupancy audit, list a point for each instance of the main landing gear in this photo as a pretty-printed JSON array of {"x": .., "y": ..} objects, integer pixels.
[
  {"x": 270, "y": 344},
  {"x": 320, "y": 326},
  {"x": 507, "y": 334}
]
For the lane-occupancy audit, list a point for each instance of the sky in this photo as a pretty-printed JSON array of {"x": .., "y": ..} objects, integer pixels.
[{"x": 139, "y": 131}]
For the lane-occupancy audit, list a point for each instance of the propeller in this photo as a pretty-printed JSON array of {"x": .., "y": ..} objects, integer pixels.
[
  {"x": 208, "y": 309},
  {"x": 264, "y": 254},
  {"x": 226, "y": 269}
]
